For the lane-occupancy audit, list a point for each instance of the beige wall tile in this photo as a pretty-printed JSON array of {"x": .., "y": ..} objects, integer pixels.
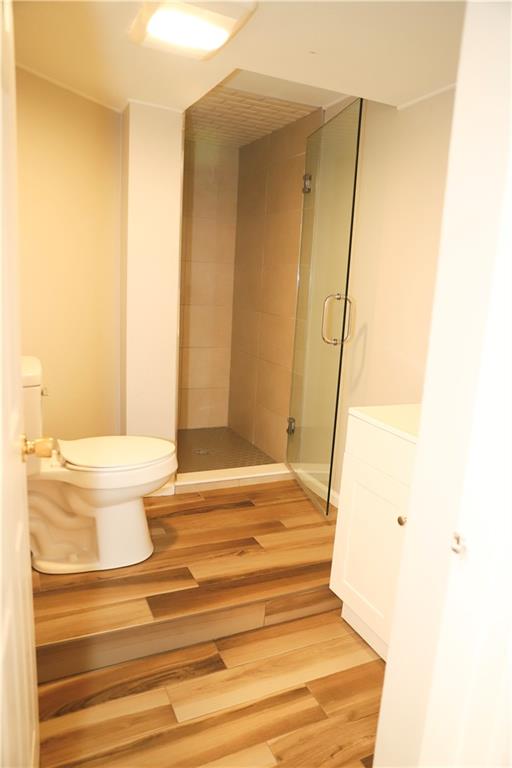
[
  {"x": 241, "y": 416},
  {"x": 209, "y": 202},
  {"x": 210, "y": 181},
  {"x": 276, "y": 336},
  {"x": 282, "y": 237},
  {"x": 291, "y": 140},
  {"x": 250, "y": 238},
  {"x": 203, "y": 408},
  {"x": 205, "y": 368},
  {"x": 284, "y": 185},
  {"x": 208, "y": 240},
  {"x": 242, "y": 398},
  {"x": 244, "y": 368},
  {"x": 270, "y": 433},
  {"x": 246, "y": 331},
  {"x": 214, "y": 163},
  {"x": 265, "y": 286},
  {"x": 273, "y": 387},
  {"x": 254, "y": 156},
  {"x": 208, "y": 251},
  {"x": 251, "y": 193},
  {"x": 247, "y": 287},
  {"x": 279, "y": 290},
  {"x": 206, "y": 327},
  {"x": 207, "y": 284}
]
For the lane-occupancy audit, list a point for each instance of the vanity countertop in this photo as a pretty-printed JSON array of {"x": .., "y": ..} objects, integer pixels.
[{"x": 401, "y": 420}]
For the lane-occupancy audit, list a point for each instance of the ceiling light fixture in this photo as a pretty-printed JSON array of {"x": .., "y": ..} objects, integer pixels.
[{"x": 190, "y": 28}]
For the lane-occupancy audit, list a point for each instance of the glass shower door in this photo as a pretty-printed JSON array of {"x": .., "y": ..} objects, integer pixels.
[{"x": 324, "y": 308}]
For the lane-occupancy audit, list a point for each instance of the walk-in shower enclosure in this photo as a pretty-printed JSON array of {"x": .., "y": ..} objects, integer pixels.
[{"x": 325, "y": 309}]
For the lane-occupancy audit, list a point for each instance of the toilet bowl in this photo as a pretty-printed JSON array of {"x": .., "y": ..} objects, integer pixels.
[{"x": 85, "y": 501}]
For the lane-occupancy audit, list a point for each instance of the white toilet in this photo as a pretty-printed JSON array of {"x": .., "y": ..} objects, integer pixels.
[{"x": 85, "y": 501}]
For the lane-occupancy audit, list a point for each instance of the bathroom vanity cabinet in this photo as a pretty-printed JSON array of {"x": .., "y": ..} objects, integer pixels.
[{"x": 371, "y": 524}]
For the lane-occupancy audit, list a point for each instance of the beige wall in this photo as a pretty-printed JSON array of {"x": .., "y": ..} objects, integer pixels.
[
  {"x": 69, "y": 239},
  {"x": 208, "y": 254},
  {"x": 402, "y": 172},
  {"x": 267, "y": 250},
  {"x": 152, "y": 183}
]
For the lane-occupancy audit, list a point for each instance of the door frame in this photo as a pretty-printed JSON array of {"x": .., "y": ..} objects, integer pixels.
[{"x": 19, "y": 735}]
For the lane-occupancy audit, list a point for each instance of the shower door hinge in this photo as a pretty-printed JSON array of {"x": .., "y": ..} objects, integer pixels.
[
  {"x": 291, "y": 425},
  {"x": 306, "y": 186}
]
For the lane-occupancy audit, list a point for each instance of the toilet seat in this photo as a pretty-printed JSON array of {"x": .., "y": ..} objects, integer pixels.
[
  {"x": 114, "y": 453},
  {"x": 109, "y": 462}
]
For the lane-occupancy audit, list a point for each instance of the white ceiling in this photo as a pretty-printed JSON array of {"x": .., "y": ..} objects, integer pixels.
[{"x": 393, "y": 52}]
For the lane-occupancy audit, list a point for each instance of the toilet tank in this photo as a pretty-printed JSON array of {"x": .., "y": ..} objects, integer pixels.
[{"x": 31, "y": 374}]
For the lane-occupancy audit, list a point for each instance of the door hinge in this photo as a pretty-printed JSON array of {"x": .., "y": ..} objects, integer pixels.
[
  {"x": 307, "y": 183},
  {"x": 291, "y": 425}
]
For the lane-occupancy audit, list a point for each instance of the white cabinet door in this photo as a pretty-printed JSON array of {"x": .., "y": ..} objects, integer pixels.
[{"x": 368, "y": 543}]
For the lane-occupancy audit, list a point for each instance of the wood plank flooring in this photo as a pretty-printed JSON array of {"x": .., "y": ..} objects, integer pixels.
[
  {"x": 225, "y": 561},
  {"x": 225, "y": 649},
  {"x": 304, "y": 694}
]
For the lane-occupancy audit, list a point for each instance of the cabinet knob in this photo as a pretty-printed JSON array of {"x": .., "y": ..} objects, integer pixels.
[{"x": 401, "y": 520}]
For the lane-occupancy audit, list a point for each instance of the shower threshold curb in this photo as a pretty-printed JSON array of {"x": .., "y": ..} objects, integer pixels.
[{"x": 187, "y": 482}]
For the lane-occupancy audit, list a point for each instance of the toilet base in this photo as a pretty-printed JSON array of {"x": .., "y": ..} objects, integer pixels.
[
  {"x": 56, "y": 567},
  {"x": 121, "y": 539}
]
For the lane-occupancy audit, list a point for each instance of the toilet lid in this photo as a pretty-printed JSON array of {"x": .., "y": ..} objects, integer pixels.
[{"x": 115, "y": 451}]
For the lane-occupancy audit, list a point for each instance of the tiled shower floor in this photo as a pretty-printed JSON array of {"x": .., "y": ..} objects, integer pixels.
[{"x": 216, "y": 448}]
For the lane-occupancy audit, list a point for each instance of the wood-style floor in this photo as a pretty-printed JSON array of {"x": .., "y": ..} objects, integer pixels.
[
  {"x": 225, "y": 561},
  {"x": 225, "y": 649}
]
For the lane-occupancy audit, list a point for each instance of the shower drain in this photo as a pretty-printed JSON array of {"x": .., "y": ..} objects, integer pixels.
[{"x": 202, "y": 451}]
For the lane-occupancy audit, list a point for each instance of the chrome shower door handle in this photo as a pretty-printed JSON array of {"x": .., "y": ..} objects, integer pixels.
[{"x": 330, "y": 297}]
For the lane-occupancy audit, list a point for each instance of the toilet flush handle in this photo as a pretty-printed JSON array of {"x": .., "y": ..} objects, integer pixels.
[{"x": 43, "y": 447}]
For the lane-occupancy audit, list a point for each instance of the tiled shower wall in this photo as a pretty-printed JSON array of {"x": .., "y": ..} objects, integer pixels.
[
  {"x": 207, "y": 268},
  {"x": 267, "y": 252}
]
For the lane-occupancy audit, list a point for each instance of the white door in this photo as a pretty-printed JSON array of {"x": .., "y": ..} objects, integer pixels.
[
  {"x": 19, "y": 734},
  {"x": 448, "y": 688}
]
